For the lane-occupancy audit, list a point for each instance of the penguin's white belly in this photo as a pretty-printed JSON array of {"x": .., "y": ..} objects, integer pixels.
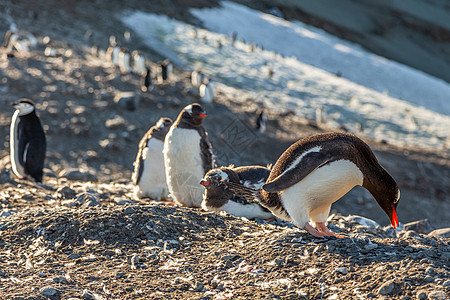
[
  {"x": 311, "y": 198},
  {"x": 14, "y": 146},
  {"x": 184, "y": 168},
  {"x": 206, "y": 93},
  {"x": 153, "y": 179},
  {"x": 250, "y": 211}
]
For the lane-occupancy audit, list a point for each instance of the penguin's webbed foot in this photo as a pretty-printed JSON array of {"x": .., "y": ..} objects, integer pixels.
[{"x": 327, "y": 232}]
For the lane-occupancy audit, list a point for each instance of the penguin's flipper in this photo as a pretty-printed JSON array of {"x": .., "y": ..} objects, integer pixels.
[
  {"x": 206, "y": 151},
  {"x": 291, "y": 176},
  {"x": 139, "y": 162},
  {"x": 34, "y": 157}
]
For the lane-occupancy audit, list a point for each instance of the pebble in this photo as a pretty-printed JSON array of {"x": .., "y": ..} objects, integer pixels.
[
  {"x": 48, "y": 291},
  {"x": 6, "y": 214},
  {"x": 430, "y": 271},
  {"x": 422, "y": 296},
  {"x": 65, "y": 192},
  {"x": 129, "y": 211},
  {"x": 437, "y": 295},
  {"x": 421, "y": 226},
  {"x": 120, "y": 274},
  {"x": 342, "y": 270},
  {"x": 73, "y": 256},
  {"x": 387, "y": 288},
  {"x": 198, "y": 286},
  {"x": 78, "y": 175},
  {"x": 117, "y": 122}
]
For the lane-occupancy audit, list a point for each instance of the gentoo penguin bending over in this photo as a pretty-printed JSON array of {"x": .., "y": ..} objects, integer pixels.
[
  {"x": 27, "y": 141},
  {"x": 219, "y": 198},
  {"x": 317, "y": 171},
  {"x": 187, "y": 156},
  {"x": 149, "y": 174}
]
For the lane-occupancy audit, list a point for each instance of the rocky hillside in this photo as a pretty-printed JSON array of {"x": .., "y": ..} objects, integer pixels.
[{"x": 83, "y": 235}]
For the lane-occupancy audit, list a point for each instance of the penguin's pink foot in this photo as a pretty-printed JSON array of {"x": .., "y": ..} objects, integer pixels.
[
  {"x": 313, "y": 231},
  {"x": 323, "y": 229},
  {"x": 270, "y": 219}
]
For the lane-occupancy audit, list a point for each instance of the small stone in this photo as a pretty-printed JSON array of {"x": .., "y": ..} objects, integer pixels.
[
  {"x": 387, "y": 288},
  {"x": 120, "y": 274},
  {"x": 442, "y": 233},
  {"x": 73, "y": 256},
  {"x": 422, "y": 296},
  {"x": 446, "y": 283},
  {"x": 77, "y": 175},
  {"x": 117, "y": 122},
  {"x": 48, "y": 291},
  {"x": 65, "y": 192},
  {"x": 420, "y": 226},
  {"x": 370, "y": 246},
  {"x": 87, "y": 295},
  {"x": 430, "y": 271},
  {"x": 129, "y": 211},
  {"x": 437, "y": 295},
  {"x": 134, "y": 261},
  {"x": 127, "y": 100},
  {"x": 342, "y": 270},
  {"x": 87, "y": 199},
  {"x": 198, "y": 287},
  {"x": 6, "y": 214}
]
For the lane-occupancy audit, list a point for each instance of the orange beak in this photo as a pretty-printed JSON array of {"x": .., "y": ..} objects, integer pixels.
[
  {"x": 204, "y": 182},
  {"x": 394, "y": 220},
  {"x": 202, "y": 115}
]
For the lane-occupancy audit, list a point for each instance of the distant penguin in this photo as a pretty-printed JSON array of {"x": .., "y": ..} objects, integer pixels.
[
  {"x": 27, "y": 141},
  {"x": 207, "y": 91},
  {"x": 138, "y": 63},
  {"x": 112, "y": 40},
  {"x": 196, "y": 78},
  {"x": 146, "y": 81},
  {"x": 165, "y": 70},
  {"x": 124, "y": 61},
  {"x": 219, "y": 198},
  {"x": 149, "y": 174},
  {"x": 233, "y": 37},
  {"x": 115, "y": 54},
  {"x": 187, "y": 156},
  {"x": 261, "y": 121},
  {"x": 317, "y": 171},
  {"x": 320, "y": 115},
  {"x": 50, "y": 51}
]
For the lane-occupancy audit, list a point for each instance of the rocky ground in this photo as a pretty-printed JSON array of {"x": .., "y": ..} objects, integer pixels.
[{"x": 83, "y": 235}]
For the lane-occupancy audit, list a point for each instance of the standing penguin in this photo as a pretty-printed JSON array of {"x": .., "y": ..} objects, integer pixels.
[
  {"x": 219, "y": 198},
  {"x": 27, "y": 141},
  {"x": 146, "y": 81},
  {"x": 149, "y": 174},
  {"x": 317, "y": 171},
  {"x": 165, "y": 70},
  {"x": 207, "y": 91},
  {"x": 138, "y": 62},
  {"x": 187, "y": 156},
  {"x": 196, "y": 78},
  {"x": 261, "y": 121},
  {"x": 124, "y": 61}
]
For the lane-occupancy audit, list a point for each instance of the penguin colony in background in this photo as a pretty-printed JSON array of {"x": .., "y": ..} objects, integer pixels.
[
  {"x": 218, "y": 197},
  {"x": 317, "y": 171},
  {"x": 27, "y": 142},
  {"x": 149, "y": 174},
  {"x": 176, "y": 158}
]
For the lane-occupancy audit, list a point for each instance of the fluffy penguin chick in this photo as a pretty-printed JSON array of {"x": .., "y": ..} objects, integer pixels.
[
  {"x": 317, "y": 171},
  {"x": 149, "y": 174},
  {"x": 27, "y": 141},
  {"x": 187, "y": 156},
  {"x": 219, "y": 198}
]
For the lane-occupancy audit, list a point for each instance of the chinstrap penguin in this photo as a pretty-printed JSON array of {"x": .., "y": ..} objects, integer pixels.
[
  {"x": 317, "y": 171},
  {"x": 27, "y": 141},
  {"x": 149, "y": 174},
  {"x": 187, "y": 156},
  {"x": 218, "y": 197}
]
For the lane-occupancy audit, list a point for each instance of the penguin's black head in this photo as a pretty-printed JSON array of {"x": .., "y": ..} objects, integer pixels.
[
  {"x": 193, "y": 114},
  {"x": 214, "y": 179},
  {"x": 24, "y": 106}
]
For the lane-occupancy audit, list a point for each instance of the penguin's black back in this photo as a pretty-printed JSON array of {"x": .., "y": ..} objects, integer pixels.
[{"x": 32, "y": 145}]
